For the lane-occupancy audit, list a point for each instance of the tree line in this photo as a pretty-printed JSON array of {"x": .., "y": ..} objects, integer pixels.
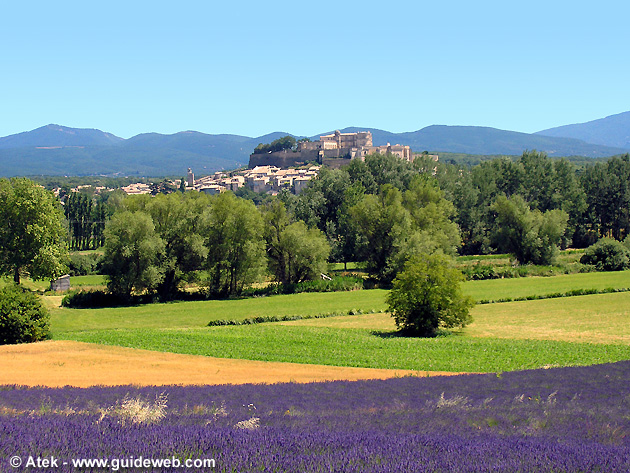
[
  {"x": 158, "y": 243},
  {"x": 379, "y": 212},
  {"x": 595, "y": 198},
  {"x": 527, "y": 207},
  {"x": 86, "y": 217}
]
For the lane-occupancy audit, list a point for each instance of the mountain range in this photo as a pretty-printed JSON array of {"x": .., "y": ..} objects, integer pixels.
[
  {"x": 610, "y": 131},
  {"x": 60, "y": 150}
]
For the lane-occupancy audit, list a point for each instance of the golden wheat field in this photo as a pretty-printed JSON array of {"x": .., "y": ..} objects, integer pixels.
[{"x": 68, "y": 363}]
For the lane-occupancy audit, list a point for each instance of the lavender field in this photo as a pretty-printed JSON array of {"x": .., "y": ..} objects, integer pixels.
[{"x": 556, "y": 420}]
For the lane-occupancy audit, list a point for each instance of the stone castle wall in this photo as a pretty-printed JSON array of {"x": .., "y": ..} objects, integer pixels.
[{"x": 334, "y": 150}]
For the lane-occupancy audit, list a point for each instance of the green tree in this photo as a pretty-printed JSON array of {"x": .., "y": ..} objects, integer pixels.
[
  {"x": 427, "y": 296},
  {"x": 305, "y": 253},
  {"x": 383, "y": 225},
  {"x": 31, "y": 234},
  {"x": 346, "y": 245},
  {"x": 538, "y": 184},
  {"x": 23, "y": 319},
  {"x": 431, "y": 214},
  {"x": 360, "y": 174},
  {"x": 531, "y": 236},
  {"x": 607, "y": 189},
  {"x": 471, "y": 216},
  {"x": 474, "y": 195},
  {"x": 323, "y": 198},
  {"x": 99, "y": 217},
  {"x": 509, "y": 176},
  {"x": 233, "y": 232},
  {"x": 295, "y": 252},
  {"x": 276, "y": 219},
  {"x": 133, "y": 253},
  {"x": 324, "y": 204},
  {"x": 572, "y": 201},
  {"x": 394, "y": 226},
  {"x": 178, "y": 220},
  {"x": 79, "y": 211},
  {"x": 286, "y": 142},
  {"x": 381, "y": 169}
]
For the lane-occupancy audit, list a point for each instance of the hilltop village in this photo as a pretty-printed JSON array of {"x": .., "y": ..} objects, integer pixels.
[
  {"x": 284, "y": 164},
  {"x": 271, "y": 171},
  {"x": 334, "y": 150}
]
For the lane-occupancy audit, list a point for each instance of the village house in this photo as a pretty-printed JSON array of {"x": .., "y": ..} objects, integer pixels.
[
  {"x": 260, "y": 179},
  {"x": 138, "y": 188}
]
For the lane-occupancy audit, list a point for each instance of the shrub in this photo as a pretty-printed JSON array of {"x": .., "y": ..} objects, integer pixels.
[
  {"x": 280, "y": 318},
  {"x": 87, "y": 299},
  {"x": 336, "y": 284},
  {"x": 479, "y": 272},
  {"x": 82, "y": 265},
  {"x": 607, "y": 255},
  {"x": 98, "y": 299},
  {"x": 23, "y": 319}
]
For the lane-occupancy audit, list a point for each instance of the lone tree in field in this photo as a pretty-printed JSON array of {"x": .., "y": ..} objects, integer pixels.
[
  {"x": 427, "y": 296},
  {"x": 31, "y": 232}
]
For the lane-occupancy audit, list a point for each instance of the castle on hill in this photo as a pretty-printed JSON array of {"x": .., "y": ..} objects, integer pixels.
[{"x": 333, "y": 150}]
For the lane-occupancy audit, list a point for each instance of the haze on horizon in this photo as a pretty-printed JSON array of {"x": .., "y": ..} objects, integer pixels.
[{"x": 252, "y": 68}]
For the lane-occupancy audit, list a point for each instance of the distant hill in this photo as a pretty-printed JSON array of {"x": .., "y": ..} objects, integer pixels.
[
  {"x": 111, "y": 161},
  {"x": 610, "y": 131},
  {"x": 57, "y": 135},
  {"x": 55, "y": 150},
  {"x": 59, "y": 150},
  {"x": 487, "y": 141},
  {"x": 235, "y": 147}
]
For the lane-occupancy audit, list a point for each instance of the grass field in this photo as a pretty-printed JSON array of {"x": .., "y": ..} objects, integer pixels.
[
  {"x": 555, "y": 332},
  {"x": 93, "y": 280},
  {"x": 600, "y": 318},
  {"x": 199, "y": 313},
  {"x": 504, "y": 336},
  {"x": 522, "y": 287},
  {"x": 78, "y": 282},
  {"x": 361, "y": 348}
]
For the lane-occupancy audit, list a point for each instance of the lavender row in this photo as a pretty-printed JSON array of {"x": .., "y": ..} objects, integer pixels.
[
  {"x": 563, "y": 419},
  {"x": 312, "y": 450}
]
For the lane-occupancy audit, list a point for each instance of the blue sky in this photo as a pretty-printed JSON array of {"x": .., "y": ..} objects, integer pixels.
[{"x": 252, "y": 68}]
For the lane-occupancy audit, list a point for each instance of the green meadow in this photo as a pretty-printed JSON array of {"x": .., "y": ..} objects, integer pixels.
[
  {"x": 492, "y": 289},
  {"x": 78, "y": 282},
  {"x": 565, "y": 331},
  {"x": 360, "y": 347},
  {"x": 199, "y": 313}
]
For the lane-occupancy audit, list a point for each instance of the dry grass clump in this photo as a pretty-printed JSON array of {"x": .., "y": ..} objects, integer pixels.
[
  {"x": 456, "y": 401},
  {"x": 137, "y": 411},
  {"x": 249, "y": 424}
]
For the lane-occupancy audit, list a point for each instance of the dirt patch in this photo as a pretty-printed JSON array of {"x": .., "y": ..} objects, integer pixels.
[{"x": 68, "y": 363}]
